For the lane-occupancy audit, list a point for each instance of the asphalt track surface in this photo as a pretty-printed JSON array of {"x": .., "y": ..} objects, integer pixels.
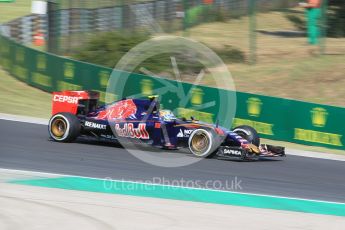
[{"x": 25, "y": 146}]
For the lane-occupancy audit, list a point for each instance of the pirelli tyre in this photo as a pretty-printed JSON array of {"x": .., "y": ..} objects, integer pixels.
[
  {"x": 203, "y": 143},
  {"x": 64, "y": 127},
  {"x": 248, "y": 133}
]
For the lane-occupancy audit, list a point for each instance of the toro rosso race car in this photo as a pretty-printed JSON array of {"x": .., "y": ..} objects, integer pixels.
[{"x": 76, "y": 113}]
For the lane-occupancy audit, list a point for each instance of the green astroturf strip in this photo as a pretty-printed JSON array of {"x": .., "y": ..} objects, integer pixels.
[{"x": 187, "y": 194}]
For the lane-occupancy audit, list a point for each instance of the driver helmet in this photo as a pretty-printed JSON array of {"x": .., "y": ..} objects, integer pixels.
[{"x": 167, "y": 115}]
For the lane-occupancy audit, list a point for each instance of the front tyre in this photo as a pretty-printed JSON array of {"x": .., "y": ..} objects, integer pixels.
[
  {"x": 203, "y": 143},
  {"x": 248, "y": 133},
  {"x": 64, "y": 127}
]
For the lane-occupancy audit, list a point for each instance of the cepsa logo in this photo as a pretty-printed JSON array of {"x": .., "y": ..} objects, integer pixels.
[
  {"x": 68, "y": 99},
  {"x": 128, "y": 130}
]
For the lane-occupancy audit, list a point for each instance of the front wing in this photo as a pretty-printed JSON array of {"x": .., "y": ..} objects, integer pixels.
[{"x": 231, "y": 152}]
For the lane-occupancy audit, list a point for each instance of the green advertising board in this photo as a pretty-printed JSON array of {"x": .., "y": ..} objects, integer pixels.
[
  {"x": 274, "y": 118},
  {"x": 293, "y": 121}
]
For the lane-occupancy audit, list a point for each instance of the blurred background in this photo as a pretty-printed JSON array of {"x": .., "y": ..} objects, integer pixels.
[{"x": 263, "y": 42}]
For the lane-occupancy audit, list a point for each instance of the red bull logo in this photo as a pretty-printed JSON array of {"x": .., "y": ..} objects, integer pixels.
[
  {"x": 121, "y": 110},
  {"x": 128, "y": 130}
]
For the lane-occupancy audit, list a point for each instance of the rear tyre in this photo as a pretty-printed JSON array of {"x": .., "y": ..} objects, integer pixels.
[
  {"x": 203, "y": 143},
  {"x": 64, "y": 127},
  {"x": 248, "y": 133}
]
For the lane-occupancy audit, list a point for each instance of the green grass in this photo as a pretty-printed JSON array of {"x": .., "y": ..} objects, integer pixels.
[
  {"x": 287, "y": 66},
  {"x": 13, "y": 10},
  {"x": 15, "y": 96},
  {"x": 315, "y": 79},
  {"x": 18, "y": 98}
]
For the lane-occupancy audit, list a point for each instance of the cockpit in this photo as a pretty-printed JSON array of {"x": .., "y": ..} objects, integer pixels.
[{"x": 167, "y": 115}]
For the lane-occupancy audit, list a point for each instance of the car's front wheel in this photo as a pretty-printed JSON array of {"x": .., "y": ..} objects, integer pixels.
[
  {"x": 248, "y": 133},
  {"x": 64, "y": 127}
]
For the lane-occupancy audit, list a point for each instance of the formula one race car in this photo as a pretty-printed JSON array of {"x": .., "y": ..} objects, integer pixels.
[{"x": 75, "y": 113}]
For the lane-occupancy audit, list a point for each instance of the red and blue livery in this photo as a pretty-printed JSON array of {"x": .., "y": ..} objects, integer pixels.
[{"x": 142, "y": 122}]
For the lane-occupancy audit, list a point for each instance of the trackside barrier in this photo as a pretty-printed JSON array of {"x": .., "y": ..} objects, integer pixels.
[{"x": 274, "y": 118}]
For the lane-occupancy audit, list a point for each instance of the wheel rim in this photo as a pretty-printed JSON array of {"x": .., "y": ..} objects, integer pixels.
[
  {"x": 200, "y": 143},
  {"x": 59, "y": 127}
]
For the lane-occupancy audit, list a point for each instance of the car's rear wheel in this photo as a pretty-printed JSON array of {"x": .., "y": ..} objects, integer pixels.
[
  {"x": 64, "y": 127},
  {"x": 203, "y": 143}
]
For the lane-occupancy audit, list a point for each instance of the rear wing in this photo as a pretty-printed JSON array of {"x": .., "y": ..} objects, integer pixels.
[{"x": 75, "y": 102}]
